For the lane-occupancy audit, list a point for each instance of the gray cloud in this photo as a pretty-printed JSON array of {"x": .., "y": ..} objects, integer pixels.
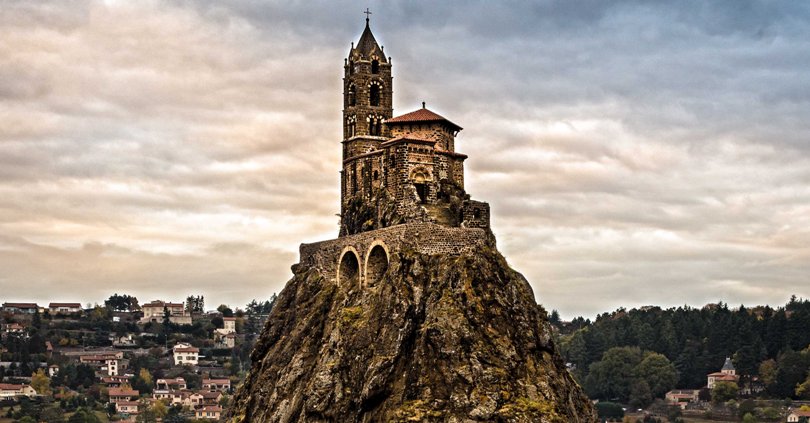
[{"x": 633, "y": 152}]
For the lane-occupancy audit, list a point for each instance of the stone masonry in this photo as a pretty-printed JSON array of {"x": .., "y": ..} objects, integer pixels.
[{"x": 409, "y": 157}]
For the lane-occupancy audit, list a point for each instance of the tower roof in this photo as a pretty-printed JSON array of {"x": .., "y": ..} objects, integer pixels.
[
  {"x": 367, "y": 46},
  {"x": 422, "y": 115},
  {"x": 727, "y": 365}
]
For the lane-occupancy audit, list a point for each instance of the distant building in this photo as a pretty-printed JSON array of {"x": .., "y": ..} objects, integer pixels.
[
  {"x": 127, "y": 407},
  {"x": 727, "y": 374},
  {"x": 795, "y": 415},
  {"x": 156, "y": 310},
  {"x": 212, "y": 412},
  {"x": 229, "y": 325},
  {"x": 185, "y": 354},
  {"x": 682, "y": 397},
  {"x": 122, "y": 395},
  {"x": 13, "y": 327},
  {"x": 20, "y": 308},
  {"x": 109, "y": 362},
  {"x": 64, "y": 308},
  {"x": 222, "y": 385},
  {"x": 10, "y": 390}
]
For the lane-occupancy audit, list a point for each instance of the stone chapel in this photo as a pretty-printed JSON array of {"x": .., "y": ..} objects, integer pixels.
[{"x": 410, "y": 159}]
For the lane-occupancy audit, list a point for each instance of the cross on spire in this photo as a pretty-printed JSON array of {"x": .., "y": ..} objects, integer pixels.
[{"x": 368, "y": 13}]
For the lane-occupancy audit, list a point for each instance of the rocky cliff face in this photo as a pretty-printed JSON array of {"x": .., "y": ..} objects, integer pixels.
[{"x": 438, "y": 339}]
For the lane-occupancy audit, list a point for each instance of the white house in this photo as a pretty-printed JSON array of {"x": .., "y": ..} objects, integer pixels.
[
  {"x": 10, "y": 390},
  {"x": 64, "y": 308},
  {"x": 795, "y": 415},
  {"x": 155, "y": 311},
  {"x": 185, "y": 354}
]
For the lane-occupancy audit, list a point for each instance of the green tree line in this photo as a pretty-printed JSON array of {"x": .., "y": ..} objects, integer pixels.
[{"x": 768, "y": 343}]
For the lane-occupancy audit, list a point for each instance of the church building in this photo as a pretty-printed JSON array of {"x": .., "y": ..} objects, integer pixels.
[{"x": 409, "y": 159}]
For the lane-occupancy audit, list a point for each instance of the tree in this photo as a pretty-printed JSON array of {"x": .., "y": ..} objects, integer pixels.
[
  {"x": 554, "y": 318},
  {"x": 724, "y": 391},
  {"x": 84, "y": 415},
  {"x": 640, "y": 395},
  {"x": 160, "y": 409},
  {"x": 609, "y": 410},
  {"x": 121, "y": 303},
  {"x": 612, "y": 377},
  {"x": 225, "y": 310},
  {"x": 41, "y": 383},
  {"x": 803, "y": 389},
  {"x": 195, "y": 304},
  {"x": 767, "y": 372},
  {"x": 658, "y": 372}
]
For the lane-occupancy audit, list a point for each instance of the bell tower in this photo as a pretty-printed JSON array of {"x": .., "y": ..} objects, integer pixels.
[
  {"x": 367, "y": 95},
  {"x": 367, "y": 104}
]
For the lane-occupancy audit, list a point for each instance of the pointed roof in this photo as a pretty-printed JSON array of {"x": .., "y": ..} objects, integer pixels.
[
  {"x": 422, "y": 115},
  {"x": 727, "y": 365},
  {"x": 367, "y": 46}
]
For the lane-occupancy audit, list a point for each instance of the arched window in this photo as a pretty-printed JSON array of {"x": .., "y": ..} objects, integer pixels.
[
  {"x": 351, "y": 126},
  {"x": 374, "y": 94},
  {"x": 352, "y": 95},
  {"x": 375, "y": 66}
]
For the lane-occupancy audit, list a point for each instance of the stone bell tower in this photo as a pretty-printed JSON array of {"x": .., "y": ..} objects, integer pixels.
[
  {"x": 367, "y": 103},
  {"x": 402, "y": 169}
]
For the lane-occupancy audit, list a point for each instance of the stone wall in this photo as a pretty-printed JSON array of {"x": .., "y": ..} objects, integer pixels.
[
  {"x": 475, "y": 214},
  {"x": 426, "y": 238}
]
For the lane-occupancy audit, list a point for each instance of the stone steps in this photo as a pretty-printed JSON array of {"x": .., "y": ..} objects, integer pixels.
[{"x": 439, "y": 214}]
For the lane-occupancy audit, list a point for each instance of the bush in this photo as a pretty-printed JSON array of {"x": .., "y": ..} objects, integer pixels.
[{"x": 609, "y": 410}]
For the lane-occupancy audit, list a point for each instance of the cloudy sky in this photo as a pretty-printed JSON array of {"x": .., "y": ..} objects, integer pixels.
[{"x": 633, "y": 152}]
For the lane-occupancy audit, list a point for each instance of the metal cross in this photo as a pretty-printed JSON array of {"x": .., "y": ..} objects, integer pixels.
[{"x": 368, "y": 13}]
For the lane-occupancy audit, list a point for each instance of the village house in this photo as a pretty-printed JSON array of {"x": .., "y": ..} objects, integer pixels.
[
  {"x": 116, "y": 381},
  {"x": 124, "y": 341},
  {"x": 53, "y": 370},
  {"x": 20, "y": 308},
  {"x": 13, "y": 328},
  {"x": 175, "y": 384},
  {"x": 156, "y": 310},
  {"x": 109, "y": 363},
  {"x": 682, "y": 397},
  {"x": 212, "y": 412},
  {"x": 229, "y": 326},
  {"x": 185, "y": 354},
  {"x": 222, "y": 385},
  {"x": 64, "y": 308},
  {"x": 10, "y": 390},
  {"x": 727, "y": 374},
  {"x": 794, "y": 416},
  {"x": 225, "y": 341},
  {"x": 127, "y": 407},
  {"x": 122, "y": 394},
  {"x": 211, "y": 398}
]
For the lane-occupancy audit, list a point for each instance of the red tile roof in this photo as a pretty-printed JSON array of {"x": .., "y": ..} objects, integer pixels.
[
  {"x": 122, "y": 392},
  {"x": 421, "y": 115},
  {"x": 21, "y": 305}
]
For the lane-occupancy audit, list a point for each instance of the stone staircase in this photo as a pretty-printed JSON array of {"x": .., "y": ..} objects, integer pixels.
[{"x": 440, "y": 214}]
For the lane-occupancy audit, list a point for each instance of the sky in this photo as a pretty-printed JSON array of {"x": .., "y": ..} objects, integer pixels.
[{"x": 632, "y": 152}]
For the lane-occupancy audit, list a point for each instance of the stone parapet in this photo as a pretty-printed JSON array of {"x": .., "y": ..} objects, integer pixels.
[{"x": 425, "y": 238}]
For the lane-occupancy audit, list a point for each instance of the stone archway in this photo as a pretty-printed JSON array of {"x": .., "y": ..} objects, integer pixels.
[
  {"x": 376, "y": 263},
  {"x": 348, "y": 271}
]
